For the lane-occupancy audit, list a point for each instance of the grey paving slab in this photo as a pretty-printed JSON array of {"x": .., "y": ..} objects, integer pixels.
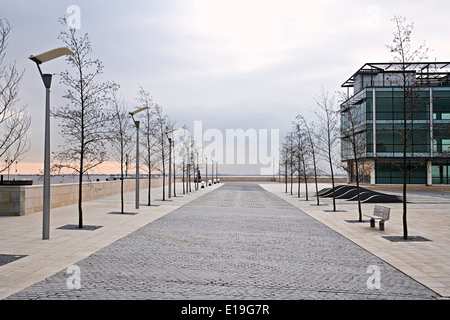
[
  {"x": 236, "y": 242},
  {"x": 7, "y": 258}
]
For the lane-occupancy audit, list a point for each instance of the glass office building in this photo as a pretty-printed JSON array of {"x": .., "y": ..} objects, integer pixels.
[{"x": 373, "y": 126}]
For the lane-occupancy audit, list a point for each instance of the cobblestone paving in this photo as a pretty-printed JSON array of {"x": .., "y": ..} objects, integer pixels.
[{"x": 237, "y": 242}]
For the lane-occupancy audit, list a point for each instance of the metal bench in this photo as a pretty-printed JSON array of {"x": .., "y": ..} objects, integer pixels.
[{"x": 379, "y": 213}]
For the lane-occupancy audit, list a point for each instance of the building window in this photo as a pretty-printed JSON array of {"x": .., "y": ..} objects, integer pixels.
[
  {"x": 390, "y": 172},
  {"x": 441, "y": 104},
  {"x": 364, "y": 171},
  {"x": 440, "y": 173}
]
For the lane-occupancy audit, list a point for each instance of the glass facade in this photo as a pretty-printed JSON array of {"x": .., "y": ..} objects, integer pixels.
[
  {"x": 354, "y": 127},
  {"x": 380, "y": 113},
  {"x": 390, "y": 127},
  {"x": 441, "y": 173},
  {"x": 390, "y": 172}
]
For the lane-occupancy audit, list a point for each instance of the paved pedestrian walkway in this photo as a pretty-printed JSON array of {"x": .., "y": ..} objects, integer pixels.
[
  {"x": 237, "y": 241},
  {"x": 26, "y": 259},
  {"x": 424, "y": 257}
]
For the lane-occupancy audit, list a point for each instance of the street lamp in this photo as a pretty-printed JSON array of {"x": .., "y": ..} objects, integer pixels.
[
  {"x": 188, "y": 166},
  {"x": 192, "y": 161},
  {"x": 206, "y": 178},
  {"x": 47, "y": 79},
  {"x": 212, "y": 171},
  {"x": 170, "y": 160},
  {"x": 136, "y": 123},
  {"x": 196, "y": 172}
]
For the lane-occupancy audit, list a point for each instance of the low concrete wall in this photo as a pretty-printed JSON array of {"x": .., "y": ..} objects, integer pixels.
[
  {"x": 18, "y": 200},
  {"x": 12, "y": 200}
]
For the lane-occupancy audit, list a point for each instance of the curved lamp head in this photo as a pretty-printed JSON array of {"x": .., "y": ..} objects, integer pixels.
[
  {"x": 50, "y": 55},
  {"x": 47, "y": 56},
  {"x": 171, "y": 131},
  {"x": 132, "y": 113}
]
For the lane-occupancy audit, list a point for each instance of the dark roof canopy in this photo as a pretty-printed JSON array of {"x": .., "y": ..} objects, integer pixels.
[{"x": 423, "y": 70}]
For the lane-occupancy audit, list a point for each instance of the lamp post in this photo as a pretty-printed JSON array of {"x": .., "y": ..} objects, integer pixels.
[
  {"x": 191, "y": 160},
  {"x": 196, "y": 172},
  {"x": 47, "y": 79},
  {"x": 206, "y": 178},
  {"x": 174, "y": 169},
  {"x": 170, "y": 160},
  {"x": 187, "y": 158},
  {"x": 170, "y": 166},
  {"x": 136, "y": 123},
  {"x": 214, "y": 164},
  {"x": 212, "y": 171}
]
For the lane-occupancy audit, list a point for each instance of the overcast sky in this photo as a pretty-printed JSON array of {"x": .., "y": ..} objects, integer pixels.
[{"x": 230, "y": 64}]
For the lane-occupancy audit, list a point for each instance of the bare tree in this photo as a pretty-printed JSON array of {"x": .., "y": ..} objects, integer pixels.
[
  {"x": 14, "y": 120},
  {"x": 288, "y": 158},
  {"x": 297, "y": 156},
  {"x": 310, "y": 138},
  {"x": 301, "y": 152},
  {"x": 305, "y": 166},
  {"x": 405, "y": 55},
  {"x": 284, "y": 159},
  {"x": 184, "y": 140},
  {"x": 291, "y": 158},
  {"x": 83, "y": 119},
  {"x": 121, "y": 137},
  {"x": 163, "y": 124},
  {"x": 148, "y": 129},
  {"x": 328, "y": 131},
  {"x": 353, "y": 144}
]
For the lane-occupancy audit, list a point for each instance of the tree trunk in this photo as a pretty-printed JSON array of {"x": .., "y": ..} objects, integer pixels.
[
  {"x": 292, "y": 176},
  {"x": 80, "y": 196},
  {"x": 315, "y": 178},
  {"x": 306, "y": 180},
  {"x": 149, "y": 187},
  {"x": 285, "y": 176},
  {"x": 357, "y": 190},
  {"x": 405, "y": 172},
  {"x": 299, "y": 180},
  {"x": 164, "y": 181},
  {"x": 332, "y": 176},
  {"x": 405, "y": 224},
  {"x": 80, "y": 183},
  {"x": 121, "y": 192},
  {"x": 121, "y": 173},
  {"x": 317, "y": 190},
  {"x": 149, "y": 164}
]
